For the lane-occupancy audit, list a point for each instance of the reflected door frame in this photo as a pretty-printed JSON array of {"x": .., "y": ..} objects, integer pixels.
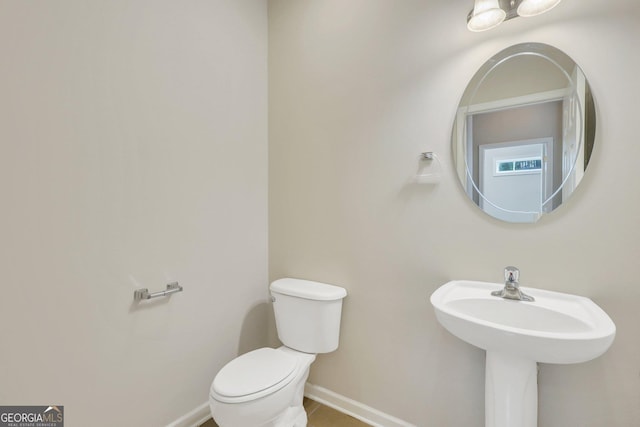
[{"x": 534, "y": 185}]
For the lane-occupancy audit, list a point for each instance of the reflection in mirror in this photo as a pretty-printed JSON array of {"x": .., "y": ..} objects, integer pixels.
[{"x": 523, "y": 133}]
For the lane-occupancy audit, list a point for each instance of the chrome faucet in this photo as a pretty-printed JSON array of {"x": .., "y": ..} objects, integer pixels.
[{"x": 511, "y": 288}]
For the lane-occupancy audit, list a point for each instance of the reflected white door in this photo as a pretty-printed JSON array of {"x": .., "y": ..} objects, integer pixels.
[{"x": 512, "y": 179}]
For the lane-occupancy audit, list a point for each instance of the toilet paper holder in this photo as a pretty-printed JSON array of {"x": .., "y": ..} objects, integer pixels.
[{"x": 143, "y": 293}]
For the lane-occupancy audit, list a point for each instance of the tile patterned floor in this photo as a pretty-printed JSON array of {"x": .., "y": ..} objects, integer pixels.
[{"x": 319, "y": 416}]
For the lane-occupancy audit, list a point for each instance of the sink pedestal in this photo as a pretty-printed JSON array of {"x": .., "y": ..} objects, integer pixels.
[{"x": 511, "y": 391}]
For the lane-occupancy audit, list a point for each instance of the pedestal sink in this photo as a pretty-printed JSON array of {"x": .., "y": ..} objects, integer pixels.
[{"x": 555, "y": 328}]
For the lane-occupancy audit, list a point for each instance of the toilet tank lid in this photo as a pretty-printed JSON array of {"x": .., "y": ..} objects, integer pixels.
[{"x": 308, "y": 289}]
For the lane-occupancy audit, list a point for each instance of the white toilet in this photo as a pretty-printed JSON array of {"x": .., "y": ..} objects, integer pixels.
[{"x": 264, "y": 388}]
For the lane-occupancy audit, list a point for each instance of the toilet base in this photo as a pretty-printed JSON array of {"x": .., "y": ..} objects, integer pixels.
[{"x": 292, "y": 417}]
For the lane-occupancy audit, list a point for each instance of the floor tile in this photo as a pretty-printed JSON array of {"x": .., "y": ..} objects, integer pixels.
[
  {"x": 324, "y": 416},
  {"x": 209, "y": 423},
  {"x": 310, "y": 406}
]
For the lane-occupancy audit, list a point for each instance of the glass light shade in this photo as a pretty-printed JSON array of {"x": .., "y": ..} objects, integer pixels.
[
  {"x": 486, "y": 14},
  {"x": 536, "y": 7}
]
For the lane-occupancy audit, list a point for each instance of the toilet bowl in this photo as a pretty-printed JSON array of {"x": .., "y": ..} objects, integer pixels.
[
  {"x": 265, "y": 387},
  {"x": 243, "y": 396}
]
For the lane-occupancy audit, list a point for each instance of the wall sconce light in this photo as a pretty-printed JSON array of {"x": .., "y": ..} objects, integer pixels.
[
  {"x": 487, "y": 14},
  {"x": 528, "y": 8}
]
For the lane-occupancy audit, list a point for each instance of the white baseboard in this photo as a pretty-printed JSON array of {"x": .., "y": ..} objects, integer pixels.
[
  {"x": 194, "y": 418},
  {"x": 348, "y": 406}
]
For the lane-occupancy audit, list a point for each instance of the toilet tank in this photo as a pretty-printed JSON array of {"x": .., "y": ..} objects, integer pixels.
[{"x": 307, "y": 314}]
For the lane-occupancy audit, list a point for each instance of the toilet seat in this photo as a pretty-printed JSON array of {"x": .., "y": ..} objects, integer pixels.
[{"x": 254, "y": 375}]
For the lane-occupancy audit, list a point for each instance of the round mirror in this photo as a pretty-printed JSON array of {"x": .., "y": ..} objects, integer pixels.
[{"x": 523, "y": 133}]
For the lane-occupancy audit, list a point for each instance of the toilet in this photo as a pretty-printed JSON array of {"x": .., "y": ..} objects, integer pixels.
[{"x": 265, "y": 387}]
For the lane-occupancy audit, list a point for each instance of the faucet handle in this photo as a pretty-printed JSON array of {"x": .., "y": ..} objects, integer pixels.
[{"x": 511, "y": 274}]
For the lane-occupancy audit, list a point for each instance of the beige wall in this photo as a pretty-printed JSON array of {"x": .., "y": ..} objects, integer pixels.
[
  {"x": 133, "y": 144},
  {"x": 358, "y": 89}
]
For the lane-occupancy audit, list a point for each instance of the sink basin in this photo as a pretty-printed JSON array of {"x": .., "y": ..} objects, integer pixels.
[{"x": 555, "y": 328}]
